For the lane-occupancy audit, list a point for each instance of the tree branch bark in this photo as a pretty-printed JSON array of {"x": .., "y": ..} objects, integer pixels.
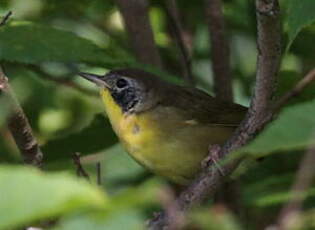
[
  {"x": 137, "y": 22},
  {"x": 5, "y": 18},
  {"x": 17, "y": 121},
  {"x": 268, "y": 61},
  {"x": 19, "y": 126},
  {"x": 220, "y": 52},
  {"x": 176, "y": 26}
]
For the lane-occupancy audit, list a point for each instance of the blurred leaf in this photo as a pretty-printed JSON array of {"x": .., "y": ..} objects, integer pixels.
[
  {"x": 292, "y": 130},
  {"x": 150, "y": 191},
  {"x": 266, "y": 186},
  {"x": 280, "y": 197},
  {"x": 27, "y": 42},
  {"x": 119, "y": 167},
  {"x": 96, "y": 137},
  {"x": 124, "y": 210},
  {"x": 28, "y": 195},
  {"x": 303, "y": 46},
  {"x": 216, "y": 218},
  {"x": 125, "y": 219},
  {"x": 306, "y": 220},
  {"x": 300, "y": 15}
]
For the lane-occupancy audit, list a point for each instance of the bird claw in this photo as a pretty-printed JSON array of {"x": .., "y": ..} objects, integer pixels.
[{"x": 213, "y": 158}]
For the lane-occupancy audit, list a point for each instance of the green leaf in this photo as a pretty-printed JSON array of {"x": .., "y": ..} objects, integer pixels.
[
  {"x": 28, "y": 195},
  {"x": 125, "y": 210},
  {"x": 27, "y": 42},
  {"x": 96, "y": 137},
  {"x": 292, "y": 130},
  {"x": 281, "y": 197},
  {"x": 119, "y": 167},
  {"x": 215, "y": 218},
  {"x": 124, "y": 219},
  {"x": 300, "y": 15}
]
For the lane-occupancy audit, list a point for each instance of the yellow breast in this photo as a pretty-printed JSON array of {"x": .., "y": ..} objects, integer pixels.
[
  {"x": 162, "y": 141},
  {"x": 136, "y": 132}
]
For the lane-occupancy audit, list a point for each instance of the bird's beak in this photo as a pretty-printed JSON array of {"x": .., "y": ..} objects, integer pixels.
[{"x": 97, "y": 79}]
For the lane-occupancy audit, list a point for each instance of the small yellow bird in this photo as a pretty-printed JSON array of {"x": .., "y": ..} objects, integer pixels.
[{"x": 165, "y": 127}]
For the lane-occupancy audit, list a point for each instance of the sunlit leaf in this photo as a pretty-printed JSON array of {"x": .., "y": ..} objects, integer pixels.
[
  {"x": 123, "y": 211},
  {"x": 125, "y": 219},
  {"x": 27, "y": 195}
]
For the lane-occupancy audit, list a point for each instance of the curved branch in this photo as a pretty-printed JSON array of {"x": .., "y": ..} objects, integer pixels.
[
  {"x": 136, "y": 18},
  {"x": 268, "y": 61},
  {"x": 220, "y": 51},
  {"x": 18, "y": 122},
  {"x": 176, "y": 26},
  {"x": 19, "y": 126}
]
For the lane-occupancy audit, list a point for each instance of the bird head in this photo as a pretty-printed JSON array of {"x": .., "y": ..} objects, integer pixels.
[{"x": 133, "y": 90}]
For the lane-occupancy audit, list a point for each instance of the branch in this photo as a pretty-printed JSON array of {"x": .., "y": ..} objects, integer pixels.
[
  {"x": 99, "y": 173},
  {"x": 175, "y": 23},
  {"x": 80, "y": 170},
  {"x": 300, "y": 86},
  {"x": 17, "y": 121},
  {"x": 303, "y": 180},
  {"x": 5, "y": 18},
  {"x": 220, "y": 52},
  {"x": 269, "y": 55},
  {"x": 136, "y": 18},
  {"x": 19, "y": 126}
]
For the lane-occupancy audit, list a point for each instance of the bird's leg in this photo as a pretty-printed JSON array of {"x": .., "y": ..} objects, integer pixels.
[{"x": 213, "y": 158}]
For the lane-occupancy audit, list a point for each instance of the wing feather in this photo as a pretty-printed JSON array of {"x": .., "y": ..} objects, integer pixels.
[{"x": 198, "y": 105}]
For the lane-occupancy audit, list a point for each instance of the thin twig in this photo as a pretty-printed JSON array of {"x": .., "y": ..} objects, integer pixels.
[
  {"x": 298, "y": 88},
  {"x": 5, "y": 18},
  {"x": 303, "y": 180},
  {"x": 269, "y": 55},
  {"x": 19, "y": 126},
  {"x": 80, "y": 170},
  {"x": 175, "y": 23},
  {"x": 220, "y": 51},
  {"x": 99, "y": 173},
  {"x": 136, "y": 19}
]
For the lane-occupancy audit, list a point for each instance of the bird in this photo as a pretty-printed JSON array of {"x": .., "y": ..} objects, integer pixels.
[{"x": 166, "y": 128}]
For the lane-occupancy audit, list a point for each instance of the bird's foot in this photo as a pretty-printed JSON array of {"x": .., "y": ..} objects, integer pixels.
[{"x": 213, "y": 158}]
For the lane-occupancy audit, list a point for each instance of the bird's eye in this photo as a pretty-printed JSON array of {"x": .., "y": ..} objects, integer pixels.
[{"x": 121, "y": 83}]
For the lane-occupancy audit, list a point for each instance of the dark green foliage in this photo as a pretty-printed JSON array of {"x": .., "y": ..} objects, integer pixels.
[
  {"x": 42, "y": 44},
  {"x": 300, "y": 15},
  {"x": 96, "y": 137}
]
